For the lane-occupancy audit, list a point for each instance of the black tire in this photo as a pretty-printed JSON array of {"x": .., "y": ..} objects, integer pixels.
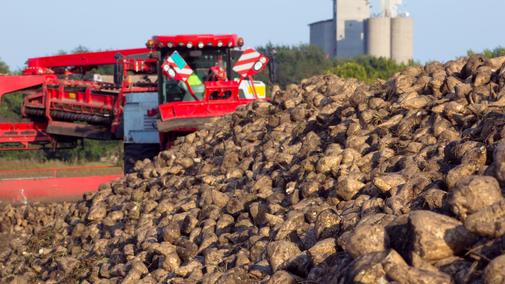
[{"x": 134, "y": 152}]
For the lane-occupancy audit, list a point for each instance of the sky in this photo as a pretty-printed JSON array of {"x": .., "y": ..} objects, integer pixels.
[{"x": 443, "y": 29}]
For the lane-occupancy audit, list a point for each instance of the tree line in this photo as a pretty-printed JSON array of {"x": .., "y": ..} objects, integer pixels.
[{"x": 304, "y": 61}]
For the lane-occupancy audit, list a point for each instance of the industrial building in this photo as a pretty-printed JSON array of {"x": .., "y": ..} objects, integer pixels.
[{"x": 354, "y": 31}]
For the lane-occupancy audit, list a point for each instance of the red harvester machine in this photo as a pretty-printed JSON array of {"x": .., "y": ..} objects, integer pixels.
[{"x": 184, "y": 81}]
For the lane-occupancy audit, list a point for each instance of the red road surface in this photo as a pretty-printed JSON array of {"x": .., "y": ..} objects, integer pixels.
[{"x": 48, "y": 189}]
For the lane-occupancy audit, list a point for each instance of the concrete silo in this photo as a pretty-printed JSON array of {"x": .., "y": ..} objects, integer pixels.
[
  {"x": 402, "y": 39},
  {"x": 353, "y": 31},
  {"x": 323, "y": 34},
  {"x": 378, "y": 41}
]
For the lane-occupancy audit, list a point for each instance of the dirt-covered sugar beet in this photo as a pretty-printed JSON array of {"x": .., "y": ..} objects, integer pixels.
[{"x": 330, "y": 181}]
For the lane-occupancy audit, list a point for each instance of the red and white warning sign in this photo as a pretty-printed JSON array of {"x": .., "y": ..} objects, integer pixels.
[
  {"x": 250, "y": 62},
  {"x": 176, "y": 68}
]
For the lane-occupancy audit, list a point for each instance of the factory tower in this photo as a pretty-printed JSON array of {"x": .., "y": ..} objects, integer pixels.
[{"x": 354, "y": 31}]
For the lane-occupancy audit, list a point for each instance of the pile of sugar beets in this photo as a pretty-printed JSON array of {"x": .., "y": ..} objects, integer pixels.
[{"x": 331, "y": 181}]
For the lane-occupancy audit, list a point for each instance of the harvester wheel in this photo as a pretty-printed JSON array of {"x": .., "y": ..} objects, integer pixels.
[{"x": 134, "y": 152}]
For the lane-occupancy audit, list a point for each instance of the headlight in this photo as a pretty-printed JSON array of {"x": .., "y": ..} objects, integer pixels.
[
  {"x": 181, "y": 43},
  {"x": 171, "y": 72},
  {"x": 160, "y": 44},
  {"x": 166, "y": 67},
  {"x": 170, "y": 44},
  {"x": 219, "y": 43},
  {"x": 190, "y": 44},
  {"x": 200, "y": 45},
  {"x": 230, "y": 44},
  {"x": 258, "y": 65}
]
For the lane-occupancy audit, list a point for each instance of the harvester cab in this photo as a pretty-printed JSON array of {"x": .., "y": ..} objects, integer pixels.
[
  {"x": 157, "y": 93},
  {"x": 194, "y": 86}
]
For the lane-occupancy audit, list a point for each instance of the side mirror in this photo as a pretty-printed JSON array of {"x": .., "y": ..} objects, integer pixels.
[
  {"x": 272, "y": 52},
  {"x": 118, "y": 73},
  {"x": 235, "y": 54},
  {"x": 273, "y": 68},
  {"x": 118, "y": 69}
]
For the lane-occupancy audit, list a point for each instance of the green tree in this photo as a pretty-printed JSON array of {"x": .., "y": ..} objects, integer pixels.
[
  {"x": 295, "y": 63},
  {"x": 101, "y": 69},
  {"x": 4, "y": 69},
  {"x": 81, "y": 49},
  {"x": 367, "y": 68},
  {"x": 497, "y": 52},
  {"x": 10, "y": 105},
  {"x": 350, "y": 69},
  {"x": 305, "y": 60}
]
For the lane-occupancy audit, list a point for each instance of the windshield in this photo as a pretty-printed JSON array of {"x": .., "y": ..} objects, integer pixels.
[{"x": 174, "y": 90}]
